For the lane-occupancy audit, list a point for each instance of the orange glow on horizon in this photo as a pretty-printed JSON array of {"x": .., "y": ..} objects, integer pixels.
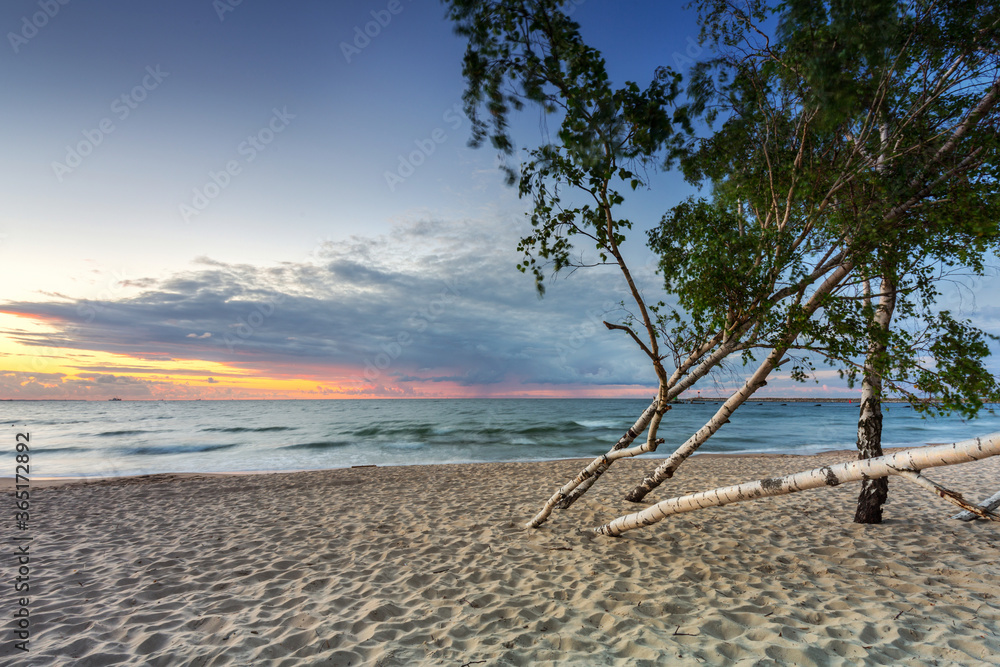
[{"x": 34, "y": 372}]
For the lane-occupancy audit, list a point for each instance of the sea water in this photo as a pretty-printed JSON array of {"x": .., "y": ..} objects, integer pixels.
[{"x": 84, "y": 439}]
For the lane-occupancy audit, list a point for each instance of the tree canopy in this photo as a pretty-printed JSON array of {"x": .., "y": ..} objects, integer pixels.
[
  {"x": 851, "y": 160},
  {"x": 860, "y": 132}
]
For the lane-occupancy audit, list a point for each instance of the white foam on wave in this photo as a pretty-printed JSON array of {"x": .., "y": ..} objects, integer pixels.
[
  {"x": 403, "y": 445},
  {"x": 596, "y": 423}
]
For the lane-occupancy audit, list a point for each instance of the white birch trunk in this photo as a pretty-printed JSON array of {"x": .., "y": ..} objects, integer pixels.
[
  {"x": 853, "y": 471},
  {"x": 598, "y": 465},
  {"x": 666, "y": 469},
  {"x": 630, "y": 435},
  {"x": 874, "y": 492},
  {"x": 675, "y": 386},
  {"x": 990, "y": 504},
  {"x": 950, "y": 496}
]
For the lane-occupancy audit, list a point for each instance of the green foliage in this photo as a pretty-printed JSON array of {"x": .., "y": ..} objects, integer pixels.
[
  {"x": 719, "y": 266},
  {"x": 833, "y": 47},
  {"x": 533, "y": 52},
  {"x": 863, "y": 133},
  {"x": 958, "y": 379},
  {"x": 858, "y": 136}
]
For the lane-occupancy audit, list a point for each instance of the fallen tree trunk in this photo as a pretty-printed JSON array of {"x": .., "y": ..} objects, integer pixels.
[
  {"x": 853, "y": 471},
  {"x": 947, "y": 494},
  {"x": 989, "y": 505}
]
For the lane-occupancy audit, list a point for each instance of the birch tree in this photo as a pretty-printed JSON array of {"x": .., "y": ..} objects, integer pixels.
[
  {"x": 859, "y": 131},
  {"x": 531, "y": 52},
  {"x": 808, "y": 188},
  {"x": 874, "y": 492},
  {"x": 924, "y": 56}
]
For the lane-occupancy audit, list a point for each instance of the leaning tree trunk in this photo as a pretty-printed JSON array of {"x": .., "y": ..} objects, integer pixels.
[
  {"x": 674, "y": 387},
  {"x": 630, "y": 435},
  {"x": 759, "y": 378},
  {"x": 659, "y": 407},
  {"x": 900, "y": 463},
  {"x": 666, "y": 469},
  {"x": 874, "y": 492}
]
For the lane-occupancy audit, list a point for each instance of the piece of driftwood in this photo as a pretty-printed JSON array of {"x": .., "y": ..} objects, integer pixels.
[
  {"x": 950, "y": 496},
  {"x": 989, "y": 505}
]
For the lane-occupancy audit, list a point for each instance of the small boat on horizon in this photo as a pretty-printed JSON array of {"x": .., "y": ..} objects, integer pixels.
[{"x": 114, "y": 399}]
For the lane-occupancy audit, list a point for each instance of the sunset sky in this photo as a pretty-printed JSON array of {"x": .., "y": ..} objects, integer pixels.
[{"x": 257, "y": 200}]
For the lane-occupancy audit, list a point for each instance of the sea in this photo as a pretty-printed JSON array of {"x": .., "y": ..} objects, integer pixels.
[{"x": 117, "y": 438}]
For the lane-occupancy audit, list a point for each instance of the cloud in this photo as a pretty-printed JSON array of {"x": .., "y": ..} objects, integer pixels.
[
  {"x": 431, "y": 301},
  {"x": 26, "y": 385}
]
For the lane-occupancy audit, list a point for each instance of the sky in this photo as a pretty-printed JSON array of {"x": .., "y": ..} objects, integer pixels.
[{"x": 239, "y": 200}]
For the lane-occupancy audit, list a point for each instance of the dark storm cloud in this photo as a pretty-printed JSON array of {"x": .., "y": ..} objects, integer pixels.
[{"x": 429, "y": 302}]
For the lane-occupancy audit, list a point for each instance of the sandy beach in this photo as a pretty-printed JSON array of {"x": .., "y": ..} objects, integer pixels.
[{"x": 431, "y": 565}]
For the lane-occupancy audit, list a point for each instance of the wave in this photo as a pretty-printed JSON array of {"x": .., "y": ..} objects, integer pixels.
[
  {"x": 570, "y": 426},
  {"x": 116, "y": 433},
  {"x": 323, "y": 444},
  {"x": 246, "y": 429},
  {"x": 419, "y": 430},
  {"x": 488, "y": 426},
  {"x": 525, "y": 430},
  {"x": 491, "y": 430},
  {"x": 52, "y": 450},
  {"x": 175, "y": 449},
  {"x": 56, "y": 422},
  {"x": 403, "y": 445},
  {"x": 512, "y": 433},
  {"x": 599, "y": 423}
]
